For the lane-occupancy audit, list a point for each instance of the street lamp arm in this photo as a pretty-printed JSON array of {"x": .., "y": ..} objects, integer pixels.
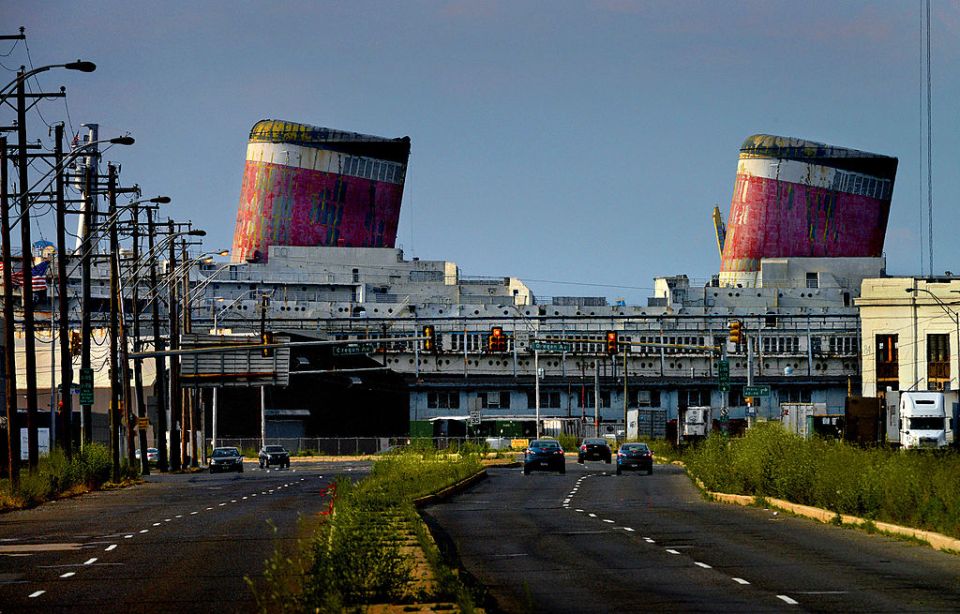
[{"x": 946, "y": 308}]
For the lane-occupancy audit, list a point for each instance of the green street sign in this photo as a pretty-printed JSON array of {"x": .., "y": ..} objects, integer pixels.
[
  {"x": 756, "y": 391},
  {"x": 549, "y": 346},
  {"x": 86, "y": 386},
  {"x": 351, "y": 350},
  {"x": 723, "y": 375}
]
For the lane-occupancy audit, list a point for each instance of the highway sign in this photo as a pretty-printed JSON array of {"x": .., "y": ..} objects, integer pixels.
[
  {"x": 549, "y": 346},
  {"x": 756, "y": 391},
  {"x": 350, "y": 350},
  {"x": 723, "y": 375},
  {"x": 86, "y": 386}
]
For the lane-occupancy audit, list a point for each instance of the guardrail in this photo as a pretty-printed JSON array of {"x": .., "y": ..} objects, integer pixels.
[{"x": 340, "y": 446}]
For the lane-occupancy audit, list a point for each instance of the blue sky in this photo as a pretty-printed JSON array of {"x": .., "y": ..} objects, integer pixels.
[{"x": 576, "y": 142}]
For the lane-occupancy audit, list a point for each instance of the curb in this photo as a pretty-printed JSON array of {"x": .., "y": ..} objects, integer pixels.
[
  {"x": 938, "y": 541},
  {"x": 451, "y": 490}
]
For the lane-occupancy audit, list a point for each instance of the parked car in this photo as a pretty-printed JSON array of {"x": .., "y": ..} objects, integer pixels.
[
  {"x": 544, "y": 455},
  {"x": 637, "y": 456},
  {"x": 595, "y": 448},
  {"x": 153, "y": 455},
  {"x": 226, "y": 459},
  {"x": 274, "y": 455}
]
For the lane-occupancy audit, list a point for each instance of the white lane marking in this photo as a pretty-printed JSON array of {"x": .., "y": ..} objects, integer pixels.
[
  {"x": 110, "y": 547},
  {"x": 740, "y": 581},
  {"x": 648, "y": 540},
  {"x": 69, "y": 574},
  {"x": 607, "y": 520},
  {"x": 90, "y": 561},
  {"x": 179, "y": 516},
  {"x": 672, "y": 551},
  {"x": 628, "y": 529},
  {"x": 704, "y": 565},
  {"x": 233, "y": 500},
  {"x": 156, "y": 524},
  {"x": 578, "y": 510},
  {"x": 35, "y": 594},
  {"x": 209, "y": 508},
  {"x": 144, "y": 530},
  {"x": 221, "y": 504},
  {"x": 167, "y": 519},
  {"x": 566, "y": 500},
  {"x": 244, "y": 498},
  {"x": 787, "y": 600},
  {"x": 127, "y": 536},
  {"x": 194, "y": 513},
  {"x": 592, "y": 515}
]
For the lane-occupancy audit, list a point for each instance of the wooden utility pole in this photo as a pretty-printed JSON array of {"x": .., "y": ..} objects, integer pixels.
[
  {"x": 161, "y": 380},
  {"x": 9, "y": 349},
  {"x": 114, "y": 323},
  {"x": 65, "y": 420}
]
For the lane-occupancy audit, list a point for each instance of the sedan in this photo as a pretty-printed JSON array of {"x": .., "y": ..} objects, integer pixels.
[
  {"x": 634, "y": 456},
  {"x": 543, "y": 455},
  {"x": 153, "y": 455},
  {"x": 594, "y": 448},
  {"x": 226, "y": 459},
  {"x": 274, "y": 455}
]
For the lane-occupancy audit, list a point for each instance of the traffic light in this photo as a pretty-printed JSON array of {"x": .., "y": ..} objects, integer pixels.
[
  {"x": 497, "y": 342},
  {"x": 429, "y": 339},
  {"x": 612, "y": 343},
  {"x": 736, "y": 335},
  {"x": 266, "y": 338},
  {"x": 76, "y": 343}
]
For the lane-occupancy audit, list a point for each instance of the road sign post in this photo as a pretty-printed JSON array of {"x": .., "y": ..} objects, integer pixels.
[
  {"x": 762, "y": 390},
  {"x": 86, "y": 386},
  {"x": 723, "y": 375}
]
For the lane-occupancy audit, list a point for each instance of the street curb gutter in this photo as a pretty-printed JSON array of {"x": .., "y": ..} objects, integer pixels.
[{"x": 937, "y": 541}]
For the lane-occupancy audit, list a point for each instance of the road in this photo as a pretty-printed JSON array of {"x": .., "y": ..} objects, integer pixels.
[
  {"x": 592, "y": 541},
  {"x": 177, "y": 543}
]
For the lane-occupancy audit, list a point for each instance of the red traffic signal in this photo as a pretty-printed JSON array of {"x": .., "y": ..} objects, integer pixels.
[
  {"x": 497, "y": 342},
  {"x": 613, "y": 344}
]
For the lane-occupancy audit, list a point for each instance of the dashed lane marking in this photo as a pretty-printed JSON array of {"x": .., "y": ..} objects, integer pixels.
[
  {"x": 194, "y": 513},
  {"x": 740, "y": 581},
  {"x": 128, "y": 536},
  {"x": 704, "y": 565},
  {"x": 787, "y": 600},
  {"x": 36, "y": 594},
  {"x": 69, "y": 574},
  {"x": 648, "y": 540},
  {"x": 156, "y": 524},
  {"x": 628, "y": 529},
  {"x": 144, "y": 530},
  {"x": 578, "y": 510},
  {"x": 592, "y": 515},
  {"x": 90, "y": 561},
  {"x": 110, "y": 547},
  {"x": 608, "y": 520},
  {"x": 179, "y": 516},
  {"x": 209, "y": 508},
  {"x": 672, "y": 551}
]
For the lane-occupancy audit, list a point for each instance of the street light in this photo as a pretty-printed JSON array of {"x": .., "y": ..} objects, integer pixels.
[{"x": 950, "y": 312}]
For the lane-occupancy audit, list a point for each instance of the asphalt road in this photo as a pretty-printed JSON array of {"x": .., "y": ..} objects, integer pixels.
[
  {"x": 592, "y": 541},
  {"x": 177, "y": 543}
]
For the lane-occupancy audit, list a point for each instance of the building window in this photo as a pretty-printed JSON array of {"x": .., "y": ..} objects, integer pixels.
[
  {"x": 813, "y": 280},
  {"x": 888, "y": 362},
  {"x": 443, "y": 400},
  {"x": 495, "y": 400},
  {"x": 938, "y": 361},
  {"x": 694, "y": 397},
  {"x": 548, "y": 398},
  {"x": 648, "y": 398},
  {"x": 587, "y": 401},
  {"x": 795, "y": 395}
]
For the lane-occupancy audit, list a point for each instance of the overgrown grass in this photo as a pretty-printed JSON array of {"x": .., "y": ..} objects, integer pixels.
[
  {"x": 87, "y": 470},
  {"x": 915, "y": 489},
  {"x": 360, "y": 550}
]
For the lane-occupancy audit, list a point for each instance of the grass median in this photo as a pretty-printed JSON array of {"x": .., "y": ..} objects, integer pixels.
[
  {"x": 909, "y": 488},
  {"x": 369, "y": 546}
]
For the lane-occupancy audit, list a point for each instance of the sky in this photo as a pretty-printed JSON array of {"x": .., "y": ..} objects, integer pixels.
[{"x": 579, "y": 146}]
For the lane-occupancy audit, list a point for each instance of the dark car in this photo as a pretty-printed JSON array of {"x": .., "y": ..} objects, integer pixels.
[
  {"x": 543, "y": 455},
  {"x": 274, "y": 455},
  {"x": 634, "y": 456},
  {"x": 594, "y": 448},
  {"x": 226, "y": 459}
]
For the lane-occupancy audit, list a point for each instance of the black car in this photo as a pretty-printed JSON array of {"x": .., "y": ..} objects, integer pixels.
[
  {"x": 595, "y": 448},
  {"x": 274, "y": 455},
  {"x": 543, "y": 455},
  {"x": 226, "y": 459},
  {"x": 635, "y": 456}
]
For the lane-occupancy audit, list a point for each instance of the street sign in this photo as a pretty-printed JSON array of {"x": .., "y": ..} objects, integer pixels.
[
  {"x": 351, "y": 350},
  {"x": 549, "y": 346},
  {"x": 723, "y": 375},
  {"x": 474, "y": 417},
  {"x": 86, "y": 386},
  {"x": 756, "y": 391},
  {"x": 143, "y": 423}
]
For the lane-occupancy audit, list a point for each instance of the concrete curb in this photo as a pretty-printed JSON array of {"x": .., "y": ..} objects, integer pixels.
[
  {"x": 451, "y": 490},
  {"x": 937, "y": 541}
]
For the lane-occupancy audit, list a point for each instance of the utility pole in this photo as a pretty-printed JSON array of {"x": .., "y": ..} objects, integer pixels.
[
  {"x": 65, "y": 422},
  {"x": 138, "y": 363},
  {"x": 264, "y": 301},
  {"x": 176, "y": 399},
  {"x": 114, "y": 324},
  {"x": 161, "y": 379},
  {"x": 190, "y": 415},
  {"x": 26, "y": 291},
  {"x": 626, "y": 397},
  {"x": 9, "y": 350},
  {"x": 86, "y": 251}
]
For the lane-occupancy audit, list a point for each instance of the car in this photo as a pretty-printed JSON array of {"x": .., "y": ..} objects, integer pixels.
[
  {"x": 637, "y": 456},
  {"x": 274, "y": 455},
  {"x": 226, "y": 459},
  {"x": 153, "y": 455},
  {"x": 544, "y": 455},
  {"x": 594, "y": 448}
]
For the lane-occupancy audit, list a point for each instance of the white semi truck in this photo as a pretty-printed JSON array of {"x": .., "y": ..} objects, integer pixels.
[{"x": 918, "y": 420}]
